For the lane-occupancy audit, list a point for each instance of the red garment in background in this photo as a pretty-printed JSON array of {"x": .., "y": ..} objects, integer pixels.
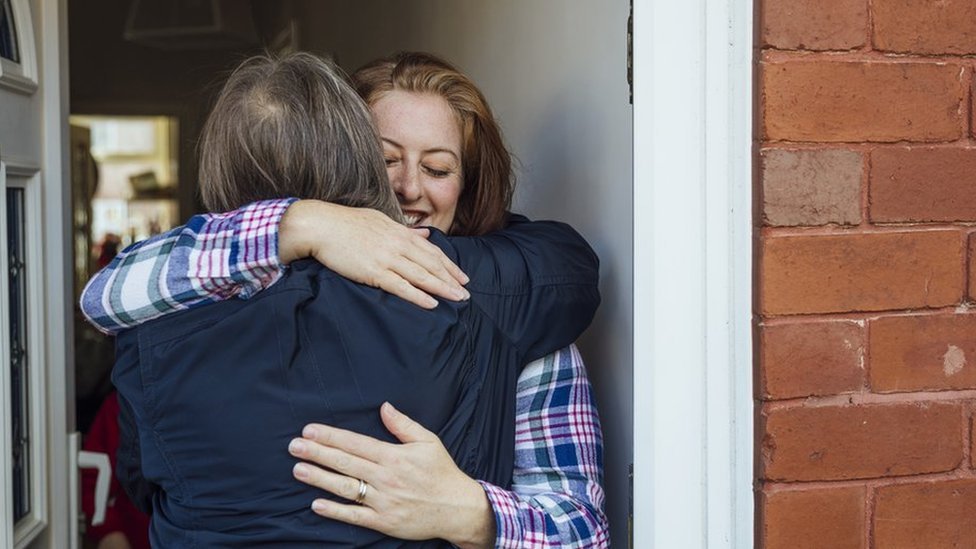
[{"x": 120, "y": 515}]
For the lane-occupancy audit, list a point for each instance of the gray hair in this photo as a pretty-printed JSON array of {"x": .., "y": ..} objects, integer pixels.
[{"x": 292, "y": 126}]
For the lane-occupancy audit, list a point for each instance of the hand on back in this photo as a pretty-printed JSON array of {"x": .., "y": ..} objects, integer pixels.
[{"x": 368, "y": 247}]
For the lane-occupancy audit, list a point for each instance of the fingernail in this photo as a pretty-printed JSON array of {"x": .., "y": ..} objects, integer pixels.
[
  {"x": 300, "y": 471},
  {"x": 465, "y": 279},
  {"x": 465, "y": 295},
  {"x": 318, "y": 505},
  {"x": 310, "y": 431},
  {"x": 296, "y": 446},
  {"x": 390, "y": 410}
]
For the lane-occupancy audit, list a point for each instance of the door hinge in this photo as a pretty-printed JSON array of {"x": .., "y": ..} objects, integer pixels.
[
  {"x": 630, "y": 506},
  {"x": 630, "y": 52}
]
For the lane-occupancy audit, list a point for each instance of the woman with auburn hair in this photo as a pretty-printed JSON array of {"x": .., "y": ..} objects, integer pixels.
[{"x": 450, "y": 170}]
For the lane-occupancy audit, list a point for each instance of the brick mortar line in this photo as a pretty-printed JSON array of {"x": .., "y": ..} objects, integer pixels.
[
  {"x": 969, "y": 103},
  {"x": 779, "y": 55},
  {"x": 866, "y": 228},
  {"x": 878, "y": 228},
  {"x": 870, "y": 38},
  {"x": 963, "y": 397},
  {"x": 863, "y": 317},
  {"x": 967, "y": 268},
  {"x": 866, "y": 356},
  {"x": 965, "y": 264},
  {"x": 870, "y": 506},
  {"x": 776, "y": 487},
  {"x": 866, "y": 165},
  {"x": 964, "y": 108},
  {"x": 864, "y": 147},
  {"x": 964, "y": 307}
]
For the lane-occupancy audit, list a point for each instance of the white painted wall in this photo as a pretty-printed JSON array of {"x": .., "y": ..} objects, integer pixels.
[{"x": 555, "y": 74}]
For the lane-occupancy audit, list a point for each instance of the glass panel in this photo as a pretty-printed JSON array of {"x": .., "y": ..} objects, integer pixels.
[
  {"x": 16, "y": 247},
  {"x": 8, "y": 33}
]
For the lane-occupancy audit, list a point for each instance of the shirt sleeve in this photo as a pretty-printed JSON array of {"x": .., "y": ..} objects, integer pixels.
[
  {"x": 557, "y": 497},
  {"x": 211, "y": 258}
]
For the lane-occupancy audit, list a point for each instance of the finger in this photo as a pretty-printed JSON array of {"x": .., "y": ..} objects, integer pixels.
[
  {"x": 400, "y": 287},
  {"x": 357, "y": 515},
  {"x": 402, "y": 427},
  {"x": 359, "y": 445},
  {"x": 332, "y": 458},
  {"x": 421, "y": 278},
  {"x": 453, "y": 270},
  {"x": 436, "y": 261},
  {"x": 340, "y": 485}
]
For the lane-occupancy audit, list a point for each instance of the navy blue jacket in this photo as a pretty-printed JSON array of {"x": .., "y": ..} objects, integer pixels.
[{"x": 212, "y": 396}]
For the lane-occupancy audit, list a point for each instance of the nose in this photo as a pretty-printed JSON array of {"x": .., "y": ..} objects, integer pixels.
[{"x": 406, "y": 184}]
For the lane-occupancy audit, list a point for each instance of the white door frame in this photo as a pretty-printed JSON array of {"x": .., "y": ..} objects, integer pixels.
[
  {"x": 59, "y": 291},
  {"x": 693, "y": 407},
  {"x": 38, "y": 87}
]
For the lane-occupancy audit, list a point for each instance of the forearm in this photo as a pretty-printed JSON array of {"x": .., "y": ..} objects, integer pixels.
[{"x": 211, "y": 258}]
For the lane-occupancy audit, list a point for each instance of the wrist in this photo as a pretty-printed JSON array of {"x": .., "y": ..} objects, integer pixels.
[
  {"x": 475, "y": 524},
  {"x": 296, "y": 231}
]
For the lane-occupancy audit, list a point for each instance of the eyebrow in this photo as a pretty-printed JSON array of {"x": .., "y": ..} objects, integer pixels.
[{"x": 425, "y": 151}]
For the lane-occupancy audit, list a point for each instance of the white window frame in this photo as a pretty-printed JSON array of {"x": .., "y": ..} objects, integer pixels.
[
  {"x": 25, "y": 177},
  {"x": 693, "y": 407},
  {"x": 21, "y": 77}
]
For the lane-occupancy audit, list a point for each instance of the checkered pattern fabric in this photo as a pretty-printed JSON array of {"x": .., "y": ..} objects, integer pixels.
[
  {"x": 212, "y": 257},
  {"x": 557, "y": 494}
]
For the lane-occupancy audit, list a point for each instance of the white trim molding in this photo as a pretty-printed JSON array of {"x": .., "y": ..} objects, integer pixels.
[
  {"x": 693, "y": 424},
  {"x": 6, "y": 435},
  {"x": 21, "y": 77},
  {"x": 26, "y": 177},
  {"x": 58, "y": 287}
]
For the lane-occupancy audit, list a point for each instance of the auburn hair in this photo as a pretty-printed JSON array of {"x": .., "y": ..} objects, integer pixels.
[{"x": 486, "y": 163}]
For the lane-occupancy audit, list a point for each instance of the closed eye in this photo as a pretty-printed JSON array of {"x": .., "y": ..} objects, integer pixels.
[{"x": 437, "y": 173}]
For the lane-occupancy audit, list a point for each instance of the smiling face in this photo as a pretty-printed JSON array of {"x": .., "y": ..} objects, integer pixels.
[{"x": 421, "y": 137}]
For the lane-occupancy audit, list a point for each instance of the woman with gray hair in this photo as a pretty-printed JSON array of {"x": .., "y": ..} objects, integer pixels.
[{"x": 211, "y": 396}]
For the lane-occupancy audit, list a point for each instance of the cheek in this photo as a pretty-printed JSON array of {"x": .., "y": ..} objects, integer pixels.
[{"x": 444, "y": 195}]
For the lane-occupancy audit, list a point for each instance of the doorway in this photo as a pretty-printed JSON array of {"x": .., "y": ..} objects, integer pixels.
[
  {"x": 125, "y": 188},
  {"x": 555, "y": 74}
]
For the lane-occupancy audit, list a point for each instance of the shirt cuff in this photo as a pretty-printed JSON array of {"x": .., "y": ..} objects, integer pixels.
[
  {"x": 258, "y": 260},
  {"x": 505, "y": 506}
]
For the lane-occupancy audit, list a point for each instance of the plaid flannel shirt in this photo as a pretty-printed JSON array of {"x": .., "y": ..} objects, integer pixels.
[
  {"x": 211, "y": 258},
  {"x": 557, "y": 495}
]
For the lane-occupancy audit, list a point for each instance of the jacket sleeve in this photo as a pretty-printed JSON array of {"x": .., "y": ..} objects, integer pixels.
[
  {"x": 211, "y": 258},
  {"x": 536, "y": 279}
]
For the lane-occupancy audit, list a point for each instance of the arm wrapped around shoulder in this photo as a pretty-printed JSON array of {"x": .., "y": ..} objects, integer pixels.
[{"x": 538, "y": 280}]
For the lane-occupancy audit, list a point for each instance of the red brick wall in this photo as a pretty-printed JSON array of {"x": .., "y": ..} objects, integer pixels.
[{"x": 867, "y": 274}]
